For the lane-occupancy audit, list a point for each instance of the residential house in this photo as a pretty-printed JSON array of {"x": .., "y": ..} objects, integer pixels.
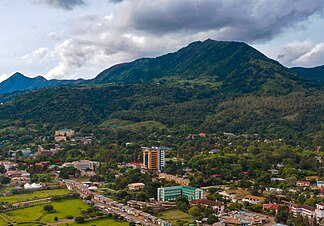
[
  {"x": 177, "y": 180},
  {"x": 65, "y": 132},
  {"x": 218, "y": 207},
  {"x": 320, "y": 184},
  {"x": 309, "y": 178},
  {"x": 213, "y": 151},
  {"x": 86, "y": 164},
  {"x": 253, "y": 199},
  {"x": 274, "y": 171},
  {"x": 302, "y": 183},
  {"x": 135, "y": 186},
  {"x": 270, "y": 206},
  {"x": 135, "y": 165}
]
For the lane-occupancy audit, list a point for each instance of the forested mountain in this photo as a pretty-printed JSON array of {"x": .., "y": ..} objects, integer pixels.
[
  {"x": 235, "y": 66},
  {"x": 208, "y": 86},
  {"x": 314, "y": 73},
  {"x": 19, "y": 82}
]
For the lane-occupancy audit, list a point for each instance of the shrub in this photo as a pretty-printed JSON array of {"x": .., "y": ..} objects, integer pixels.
[
  {"x": 79, "y": 220},
  {"x": 48, "y": 208}
]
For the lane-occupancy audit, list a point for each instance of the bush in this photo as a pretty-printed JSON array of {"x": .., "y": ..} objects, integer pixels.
[
  {"x": 55, "y": 218},
  {"x": 79, "y": 220},
  {"x": 48, "y": 208},
  {"x": 69, "y": 217}
]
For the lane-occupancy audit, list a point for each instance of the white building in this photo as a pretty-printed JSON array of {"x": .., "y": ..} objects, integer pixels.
[{"x": 319, "y": 211}]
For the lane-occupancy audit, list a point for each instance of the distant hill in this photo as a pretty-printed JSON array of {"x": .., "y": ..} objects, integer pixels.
[
  {"x": 19, "y": 82},
  {"x": 234, "y": 66},
  {"x": 314, "y": 73}
]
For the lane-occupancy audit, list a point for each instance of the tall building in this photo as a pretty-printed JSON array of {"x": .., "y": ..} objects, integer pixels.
[
  {"x": 172, "y": 193},
  {"x": 154, "y": 158}
]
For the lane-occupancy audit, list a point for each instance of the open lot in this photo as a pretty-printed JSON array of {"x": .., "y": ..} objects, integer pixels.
[
  {"x": 33, "y": 195},
  {"x": 63, "y": 208},
  {"x": 174, "y": 215}
]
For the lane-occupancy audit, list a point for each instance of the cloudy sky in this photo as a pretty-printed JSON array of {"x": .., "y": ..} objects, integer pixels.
[{"x": 79, "y": 38}]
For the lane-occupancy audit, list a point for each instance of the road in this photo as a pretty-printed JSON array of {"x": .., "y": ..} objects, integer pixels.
[{"x": 115, "y": 208}]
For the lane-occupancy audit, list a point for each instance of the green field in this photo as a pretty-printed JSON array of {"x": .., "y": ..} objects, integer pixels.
[
  {"x": 101, "y": 222},
  {"x": 33, "y": 195},
  {"x": 174, "y": 215},
  {"x": 63, "y": 208}
]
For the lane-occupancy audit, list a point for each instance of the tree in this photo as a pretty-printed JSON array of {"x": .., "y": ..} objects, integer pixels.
[
  {"x": 79, "y": 220},
  {"x": 182, "y": 204},
  {"x": 212, "y": 219},
  {"x": 55, "y": 218},
  {"x": 282, "y": 215},
  {"x": 48, "y": 208}
]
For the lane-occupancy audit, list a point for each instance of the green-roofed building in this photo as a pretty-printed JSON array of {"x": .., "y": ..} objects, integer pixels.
[{"x": 172, "y": 193}]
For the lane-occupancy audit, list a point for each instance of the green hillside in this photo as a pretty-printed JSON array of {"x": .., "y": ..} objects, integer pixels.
[
  {"x": 314, "y": 73},
  {"x": 236, "y": 66},
  {"x": 208, "y": 86}
]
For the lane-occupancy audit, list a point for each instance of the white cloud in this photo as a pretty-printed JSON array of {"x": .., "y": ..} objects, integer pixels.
[
  {"x": 5, "y": 76},
  {"x": 305, "y": 53},
  {"x": 37, "y": 56},
  {"x": 149, "y": 28}
]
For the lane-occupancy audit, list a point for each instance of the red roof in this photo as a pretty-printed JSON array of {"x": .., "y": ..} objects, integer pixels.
[
  {"x": 136, "y": 163},
  {"x": 216, "y": 175},
  {"x": 270, "y": 206}
]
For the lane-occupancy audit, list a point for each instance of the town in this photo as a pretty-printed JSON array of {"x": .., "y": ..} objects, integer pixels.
[{"x": 224, "y": 183}]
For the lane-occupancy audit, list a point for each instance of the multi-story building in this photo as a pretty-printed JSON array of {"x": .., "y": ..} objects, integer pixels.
[
  {"x": 172, "y": 193},
  {"x": 304, "y": 210},
  {"x": 319, "y": 211},
  {"x": 154, "y": 158}
]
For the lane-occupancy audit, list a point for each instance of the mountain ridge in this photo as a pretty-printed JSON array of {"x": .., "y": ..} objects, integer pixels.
[
  {"x": 235, "y": 66},
  {"x": 312, "y": 73},
  {"x": 20, "y": 82}
]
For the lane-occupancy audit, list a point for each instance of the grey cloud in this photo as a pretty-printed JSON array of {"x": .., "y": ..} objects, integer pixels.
[
  {"x": 65, "y": 4},
  {"x": 247, "y": 20},
  {"x": 115, "y": 1},
  {"x": 150, "y": 28}
]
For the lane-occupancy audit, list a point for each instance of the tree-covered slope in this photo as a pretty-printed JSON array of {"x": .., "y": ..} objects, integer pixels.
[
  {"x": 236, "y": 66},
  {"x": 314, "y": 73},
  {"x": 297, "y": 114}
]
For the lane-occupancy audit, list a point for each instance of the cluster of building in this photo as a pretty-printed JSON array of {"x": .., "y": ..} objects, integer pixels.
[
  {"x": 86, "y": 167},
  {"x": 63, "y": 134},
  {"x": 176, "y": 179},
  {"x": 18, "y": 177}
]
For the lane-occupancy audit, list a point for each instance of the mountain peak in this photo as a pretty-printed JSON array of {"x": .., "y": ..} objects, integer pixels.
[
  {"x": 17, "y": 75},
  {"x": 235, "y": 66}
]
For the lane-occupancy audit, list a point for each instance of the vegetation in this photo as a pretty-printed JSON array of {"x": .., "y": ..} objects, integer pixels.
[{"x": 33, "y": 195}]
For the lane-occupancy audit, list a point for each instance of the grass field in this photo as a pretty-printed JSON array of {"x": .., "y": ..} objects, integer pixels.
[
  {"x": 174, "y": 215},
  {"x": 101, "y": 222},
  {"x": 63, "y": 208},
  {"x": 34, "y": 195}
]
